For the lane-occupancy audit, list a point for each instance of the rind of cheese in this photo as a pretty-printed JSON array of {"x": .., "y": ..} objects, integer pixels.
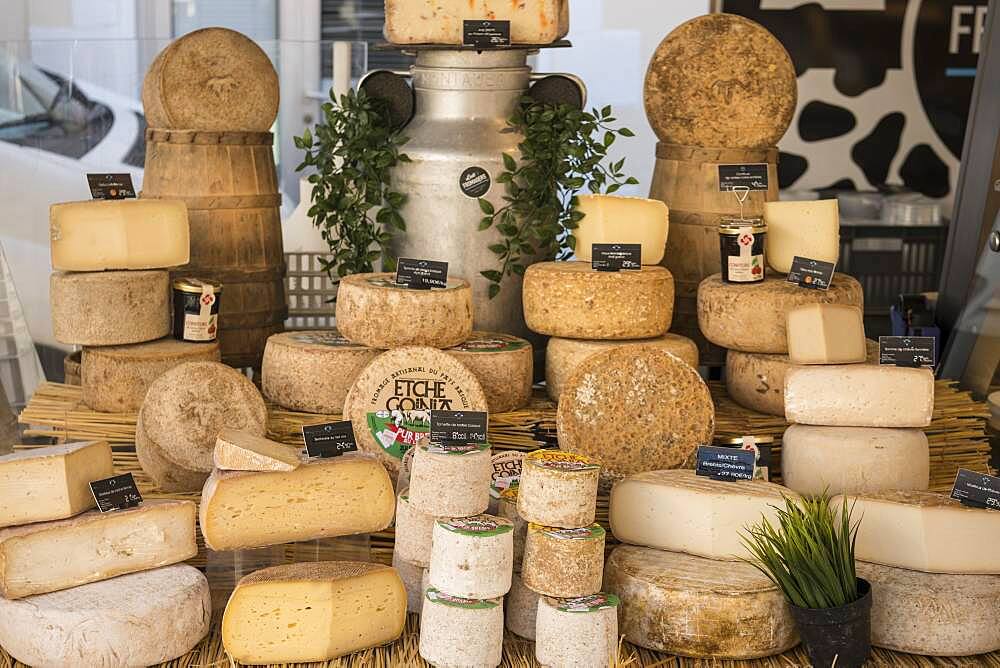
[
  {"x": 521, "y": 609},
  {"x": 472, "y": 557},
  {"x": 117, "y": 622},
  {"x": 451, "y": 483},
  {"x": 237, "y": 450},
  {"x": 414, "y": 530},
  {"x": 558, "y": 489},
  {"x": 374, "y": 311},
  {"x": 698, "y": 607},
  {"x": 299, "y": 613},
  {"x": 312, "y": 371},
  {"x": 322, "y": 498},
  {"x": 859, "y": 395},
  {"x": 563, "y": 563},
  {"x": 110, "y": 308},
  {"x": 51, "y": 556},
  {"x": 97, "y": 235},
  {"x": 826, "y": 334},
  {"x": 563, "y": 356},
  {"x": 115, "y": 379},
  {"x": 577, "y": 632},
  {"x": 507, "y": 508},
  {"x": 51, "y": 483},
  {"x": 166, "y": 476},
  {"x": 440, "y": 22},
  {"x": 413, "y": 577},
  {"x": 503, "y": 364},
  {"x": 612, "y": 219},
  {"x": 751, "y": 316},
  {"x": 571, "y": 300},
  {"x": 805, "y": 228},
  {"x": 461, "y": 632},
  {"x": 684, "y": 512},
  {"x": 853, "y": 460}
]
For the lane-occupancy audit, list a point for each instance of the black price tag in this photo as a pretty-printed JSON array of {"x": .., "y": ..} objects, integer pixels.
[
  {"x": 725, "y": 463},
  {"x": 752, "y": 176},
  {"x": 762, "y": 455},
  {"x": 808, "y": 273},
  {"x": 116, "y": 493},
  {"x": 485, "y": 34},
  {"x": 330, "y": 439},
  {"x": 616, "y": 257},
  {"x": 911, "y": 351},
  {"x": 458, "y": 426},
  {"x": 977, "y": 489},
  {"x": 421, "y": 274},
  {"x": 111, "y": 186}
]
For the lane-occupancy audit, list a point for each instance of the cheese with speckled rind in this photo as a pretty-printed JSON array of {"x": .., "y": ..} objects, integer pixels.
[
  {"x": 109, "y": 308},
  {"x": 572, "y": 300},
  {"x": 237, "y": 450},
  {"x": 933, "y": 614},
  {"x": 413, "y": 577},
  {"x": 451, "y": 479},
  {"x": 472, "y": 557},
  {"x": 751, "y": 316},
  {"x": 580, "y": 632},
  {"x": 853, "y": 460},
  {"x": 440, "y": 21},
  {"x": 692, "y": 606},
  {"x": 613, "y": 219},
  {"x": 166, "y": 476},
  {"x": 504, "y": 366},
  {"x": 563, "y": 563},
  {"x": 635, "y": 409},
  {"x": 414, "y": 530},
  {"x": 563, "y": 356},
  {"x": 558, "y": 489},
  {"x": 521, "y": 609},
  {"x": 457, "y": 631},
  {"x": 859, "y": 395},
  {"x": 925, "y": 531}
]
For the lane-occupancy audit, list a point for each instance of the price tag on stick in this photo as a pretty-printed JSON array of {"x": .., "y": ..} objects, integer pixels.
[
  {"x": 329, "y": 439},
  {"x": 813, "y": 274},
  {"x": 116, "y": 493},
  {"x": 421, "y": 274},
  {"x": 977, "y": 490},
  {"x": 459, "y": 426},
  {"x": 616, "y": 257}
]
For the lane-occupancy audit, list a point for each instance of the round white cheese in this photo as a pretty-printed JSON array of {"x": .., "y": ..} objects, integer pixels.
[
  {"x": 472, "y": 557},
  {"x": 577, "y": 632},
  {"x": 563, "y": 563},
  {"x": 413, "y": 531},
  {"x": 457, "y": 631},
  {"x": 110, "y": 308},
  {"x": 558, "y": 489},
  {"x": 521, "y": 609},
  {"x": 504, "y": 366},
  {"x": 451, "y": 479}
]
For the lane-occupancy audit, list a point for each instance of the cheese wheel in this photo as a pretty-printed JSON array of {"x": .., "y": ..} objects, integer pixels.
[
  {"x": 115, "y": 378},
  {"x": 472, "y": 557},
  {"x": 239, "y": 451},
  {"x": 166, "y": 476},
  {"x": 531, "y": 21},
  {"x": 635, "y": 409},
  {"x": 414, "y": 530},
  {"x": 563, "y": 563},
  {"x": 751, "y": 316},
  {"x": 692, "y": 606},
  {"x": 457, "y": 631},
  {"x": 312, "y": 371},
  {"x": 558, "y": 489},
  {"x": 504, "y": 366},
  {"x": 413, "y": 577},
  {"x": 578, "y": 632},
  {"x": 374, "y": 311},
  {"x": 508, "y": 510},
  {"x": 451, "y": 479},
  {"x": 563, "y": 356},
  {"x": 521, "y": 609},
  {"x": 109, "y": 308}
]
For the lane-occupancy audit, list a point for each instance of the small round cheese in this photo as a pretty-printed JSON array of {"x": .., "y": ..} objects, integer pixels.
[
  {"x": 109, "y": 308},
  {"x": 521, "y": 609},
  {"x": 457, "y": 631},
  {"x": 413, "y": 531},
  {"x": 413, "y": 577},
  {"x": 577, "y": 632},
  {"x": 472, "y": 557},
  {"x": 451, "y": 479},
  {"x": 504, "y": 366},
  {"x": 558, "y": 489},
  {"x": 571, "y": 300},
  {"x": 563, "y": 563},
  {"x": 508, "y": 510},
  {"x": 373, "y": 310}
]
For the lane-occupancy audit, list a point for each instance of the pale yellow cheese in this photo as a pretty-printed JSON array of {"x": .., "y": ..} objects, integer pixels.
[
  {"x": 610, "y": 219},
  {"x": 826, "y": 334},
  {"x": 809, "y": 229},
  {"x": 237, "y": 450},
  {"x": 440, "y": 21}
]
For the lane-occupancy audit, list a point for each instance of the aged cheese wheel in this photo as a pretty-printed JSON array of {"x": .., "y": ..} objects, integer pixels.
[
  {"x": 751, "y": 316},
  {"x": 720, "y": 80},
  {"x": 562, "y": 356},
  {"x": 166, "y": 476},
  {"x": 312, "y": 371},
  {"x": 635, "y": 409},
  {"x": 520, "y": 609},
  {"x": 508, "y": 510},
  {"x": 451, "y": 479},
  {"x": 414, "y": 530},
  {"x": 472, "y": 557},
  {"x": 115, "y": 378},
  {"x": 558, "y": 489},
  {"x": 692, "y": 606},
  {"x": 572, "y": 300},
  {"x": 413, "y": 577},
  {"x": 579, "y": 632},
  {"x": 503, "y": 365},
  {"x": 212, "y": 79},
  {"x": 457, "y": 631},
  {"x": 564, "y": 563},
  {"x": 374, "y": 311},
  {"x": 110, "y": 308}
]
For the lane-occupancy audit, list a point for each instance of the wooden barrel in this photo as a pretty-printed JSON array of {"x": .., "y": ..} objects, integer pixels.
[
  {"x": 229, "y": 183},
  {"x": 687, "y": 179}
]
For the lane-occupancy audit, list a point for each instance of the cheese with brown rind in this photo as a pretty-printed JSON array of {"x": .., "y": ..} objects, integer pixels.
[
  {"x": 558, "y": 489},
  {"x": 472, "y": 557},
  {"x": 110, "y": 308},
  {"x": 563, "y": 563},
  {"x": 413, "y": 533},
  {"x": 504, "y": 366},
  {"x": 166, "y": 476},
  {"x": 237, "y": 450}
]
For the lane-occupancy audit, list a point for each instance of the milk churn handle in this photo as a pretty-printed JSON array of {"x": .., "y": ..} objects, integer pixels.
[{"x": 538, "y": 76}]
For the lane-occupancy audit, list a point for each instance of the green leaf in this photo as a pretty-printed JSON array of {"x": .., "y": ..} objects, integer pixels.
[
  {"x": 486, "y": 207},
  {"x": 492, "y": 275},
  {"x": 509, "y": 163},
  {"x": 625, "y": 132},
  {"x": 494, "y": 290},
  {"x": 485, "y": 223}
]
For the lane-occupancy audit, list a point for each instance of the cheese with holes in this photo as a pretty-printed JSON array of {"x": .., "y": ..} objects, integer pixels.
[
  {"x": 117, "y": 622},
  {"x": 413, "y": 577},
  {"x": 51, "y": 483},
  {"x": 558, "y": 489},
  {"x": 610, "y": 219},
  {"x": 451, "y": 479},
  {"x": 809, "y": 229},
  {"x": 374, "y": 311},
  {"x": 507, "y": 508},
  {"x": 440, "y": 22},
  {"x": 298, "y": 613},
  {"x": 859, "y": 395},
  {"x": 457, "y": 631},
  {"x": 166, "y": 476},
  {"x": 50, "y": 556},
  {"x": 115, "y": 379},
  {"x": 472, "y": 557},
  {"x": 933, "y": 614},
  {"x": 925, "y": 531},
  {"x": 414, "y": 529},
  {"x": 312, "y": 371},
  {"x": 571, "y": 300},
  {"x": 322, "y": 498},
  {"x": 97, "y": 235},
  {"x": 692, "y": 606},
  {"x": 563, "y": 356},
  {"x": 504, "y": 366},
  {"x": 563, "y": 563},
  {"x": 109, "y": 308},
  {"x": 826, "y": 334},
  {"x": 853, "y": 460},
  {"x": 635, "y": 409},
  {"x": 521, "y": 609},
  {"x": 684, "y": 512},
  {"x": 752, "y": 316},
  {"x": 237, "y": 450},
  {"x": 578, "y": 632}
]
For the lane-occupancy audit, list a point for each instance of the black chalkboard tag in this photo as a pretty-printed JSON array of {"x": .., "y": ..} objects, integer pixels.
[
  {"x": 116, "y": 493},
  {"x": 725, "y": 463},
  {"x": 813, "y": 274},
  {"x": 616, "y": 257},
  {"x": 459, "y": 426},
  {"x": 977, "y": 490},
  {"x": 911, "y": 351},
  {"x": 421, "y": 274},
  {"x": 111, "y": 186},
  {"x": 329, "y": 439},
  {"x": 752, "y": 176},
  {"x": 484, "y": 34}
]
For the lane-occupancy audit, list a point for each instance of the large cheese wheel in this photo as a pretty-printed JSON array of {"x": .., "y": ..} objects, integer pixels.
[
  {"x": 110, "y": 308},
  {"x": 166, "y": 476},
  {"x": 751, "y": 316},
  {"x": 504, "y": 366}
]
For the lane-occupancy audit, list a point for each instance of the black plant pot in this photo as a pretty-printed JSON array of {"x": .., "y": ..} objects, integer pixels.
[{"x": 838, "y": 634}]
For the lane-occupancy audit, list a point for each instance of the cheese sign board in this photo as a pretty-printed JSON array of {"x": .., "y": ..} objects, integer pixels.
[
  {"x": 813, "y": 274},
  {"x": 116, "y": 493},
  {"x": 485, "y": 34},
  {"x": 616, "y": 257},
  {"x": 978, "y": 490},
  {"x": 911, "y": 351},
  {"x": 751, "y": 176},
  {"x": 111, "y": 186},
  {"x": 329, "y": 439},
  {"x": 459, "y": 426},
  {"x": 723, "y": 463},
  {"x": 421, "y": 274}
]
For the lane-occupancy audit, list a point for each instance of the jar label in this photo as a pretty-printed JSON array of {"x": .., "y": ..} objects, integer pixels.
[
  {"x": 746, "y": 267},
  {"x": 201, "y": 315}
]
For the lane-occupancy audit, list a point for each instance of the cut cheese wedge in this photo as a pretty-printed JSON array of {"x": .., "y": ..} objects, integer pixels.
[
  {"x": 610, "y": 219},
  {"x": 808, "y": 229},
  {"x": 826, "y": 334},
  {"x": 237, "y": 450}
]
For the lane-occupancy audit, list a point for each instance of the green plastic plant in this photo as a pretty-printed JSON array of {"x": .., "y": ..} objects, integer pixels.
[
  {"x": 810, "y": 555},
  {"x": 563, "y": 152}
]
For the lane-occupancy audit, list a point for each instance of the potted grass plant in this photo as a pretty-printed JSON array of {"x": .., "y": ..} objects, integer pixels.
[{"x": 810, "y": 557}]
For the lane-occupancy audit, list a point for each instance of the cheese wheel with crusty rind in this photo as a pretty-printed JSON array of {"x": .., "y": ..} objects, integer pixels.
[
  {"x": 558, "y": 489},
  {"x": 563, "y": 563},
  {"x": 504, "y": 366},
  {"x": 109, "y": 308},
  {"x": 166, "y": 476}
]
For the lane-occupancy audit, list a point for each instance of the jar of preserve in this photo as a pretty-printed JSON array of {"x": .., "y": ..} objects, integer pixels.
[
  {"x": 741, "y": 243},
  {"x": 196, "y": 309}
]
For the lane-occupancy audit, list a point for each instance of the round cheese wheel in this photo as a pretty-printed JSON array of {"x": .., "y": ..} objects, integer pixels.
[
  {"x": 451, "y": 479},
  {"x": 581, "y": 631},
  {"x": 109, "y": 308},
  {"x": 166, "y": 476},
  {"x": 413, "y": 532},
  {"x": 563, "y": 563},
  {"x": 456, "y": 631},
  {"x": 558, "y": 489},
  {"x": 472, "y": 557},
  {"x": 504, "y": 366}
]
